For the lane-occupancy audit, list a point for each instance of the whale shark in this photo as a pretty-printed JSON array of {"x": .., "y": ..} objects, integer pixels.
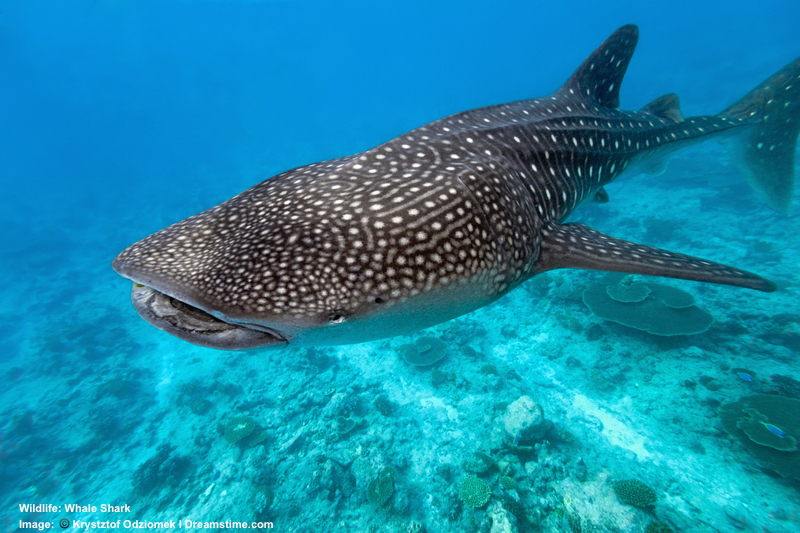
[{"x": 449, "y": 217}]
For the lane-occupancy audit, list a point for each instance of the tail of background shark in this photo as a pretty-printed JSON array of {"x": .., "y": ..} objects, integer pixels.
[{"x": 765, "y": 153}]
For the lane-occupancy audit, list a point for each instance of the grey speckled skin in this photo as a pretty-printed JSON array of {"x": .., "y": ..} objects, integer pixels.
[{"x": 446, "y": 218}]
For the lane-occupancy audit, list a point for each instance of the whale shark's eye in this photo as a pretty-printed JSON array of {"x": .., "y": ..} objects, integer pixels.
[{"x": 380, "y": 300}]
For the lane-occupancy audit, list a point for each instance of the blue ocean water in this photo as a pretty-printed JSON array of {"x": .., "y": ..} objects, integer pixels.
[{"x": 120, "y": 118}]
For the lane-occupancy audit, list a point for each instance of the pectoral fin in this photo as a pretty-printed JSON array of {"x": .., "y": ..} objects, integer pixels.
[
  {"x": 579, "y": 246},
  {"x": 601, "y": 196}
]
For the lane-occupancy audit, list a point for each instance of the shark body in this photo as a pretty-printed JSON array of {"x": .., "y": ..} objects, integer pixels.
[{"x": 448, "y": 217}]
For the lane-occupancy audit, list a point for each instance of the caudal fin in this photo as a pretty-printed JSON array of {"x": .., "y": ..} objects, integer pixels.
[{"x": 765, "y": 153}]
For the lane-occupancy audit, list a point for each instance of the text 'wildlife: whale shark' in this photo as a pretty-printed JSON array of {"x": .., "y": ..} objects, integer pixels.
[{"x": 448, "y": 217}]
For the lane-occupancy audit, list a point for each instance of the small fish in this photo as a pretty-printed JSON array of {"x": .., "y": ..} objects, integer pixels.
[
  {"x": 746, "y": 377},
  {"x": 516, "y": 440},
  {"x": 775, "y": 430}
]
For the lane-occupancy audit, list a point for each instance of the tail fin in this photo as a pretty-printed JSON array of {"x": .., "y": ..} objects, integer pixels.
[{"x": 765, "y": 154}]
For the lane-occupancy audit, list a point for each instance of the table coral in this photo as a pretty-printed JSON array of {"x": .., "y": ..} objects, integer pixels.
[
  {"x": 651, "y": 307},
  {"x": 425, "y": 351},
  {"x": 748, "y": 420},
  {"x": 238, "y": 428}
]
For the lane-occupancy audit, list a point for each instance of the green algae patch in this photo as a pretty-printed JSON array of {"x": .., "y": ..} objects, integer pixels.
[
  {"x": 651, "y": 307},
  {"x": 768, "y": 426},
  {"x": 425, "y": 351}
]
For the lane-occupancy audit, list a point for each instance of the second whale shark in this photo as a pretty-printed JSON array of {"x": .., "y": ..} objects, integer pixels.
[{"x": 448, "y": 217}]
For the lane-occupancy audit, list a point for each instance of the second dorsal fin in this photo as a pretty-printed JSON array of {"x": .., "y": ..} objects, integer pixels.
[
  {"x": 599, "y": 77},
  {"x": 667, "y": 106}
]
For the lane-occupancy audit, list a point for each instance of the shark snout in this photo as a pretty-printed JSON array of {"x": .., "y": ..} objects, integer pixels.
[{"x": 171, "y": 307}]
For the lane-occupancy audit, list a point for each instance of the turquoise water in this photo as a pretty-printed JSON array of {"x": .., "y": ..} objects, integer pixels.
[{"x": 119, "y": 118}]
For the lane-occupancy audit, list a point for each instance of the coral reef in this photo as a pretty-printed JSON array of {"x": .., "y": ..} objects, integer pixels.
[
  {"x": 425, "y": 351},
  {"x": 574, "y": 521},
  {"x": 384, "y": 405},
  {"x": 239, "y": 427},
  {"x": 768, "y": 426},
  {"x": 503, "y": 521},
  {"x": 785, "y": 386},
  {"x": 164, "y": 469},
  {"x": 415, "y": 526},
  {"x": 380, "y": 489},
  {"x": 489, "y": 370},
  {"x": 513, "y": 506},
  {"x": 261, "y": 498},
  {"x": 438, "y": 378},
  {"x": 344, "y": 425},
  {"x": 628, "y": 293},
  {"x": 651, "y": 307},
  {"x": 658, "y": 527},
  {"x": 634, "y": 492},
  {"x": 478, "y": 463},
  {"x": 759, "y": 430},
  {"x": 256, "y": 438},
  {"x": 474, "y": 492},
  {"x": 200, "y": 406}
]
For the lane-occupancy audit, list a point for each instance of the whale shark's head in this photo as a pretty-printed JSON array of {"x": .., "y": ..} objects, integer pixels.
[{"x": 314, "y": 256}]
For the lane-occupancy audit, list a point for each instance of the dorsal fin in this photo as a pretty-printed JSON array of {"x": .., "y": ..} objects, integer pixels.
[
  {"x": 599, "y": 77},
  {"x": 667, "y": 106}
]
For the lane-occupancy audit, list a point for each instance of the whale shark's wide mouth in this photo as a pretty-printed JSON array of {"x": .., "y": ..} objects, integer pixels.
[{"x": 197, "y": 326}]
